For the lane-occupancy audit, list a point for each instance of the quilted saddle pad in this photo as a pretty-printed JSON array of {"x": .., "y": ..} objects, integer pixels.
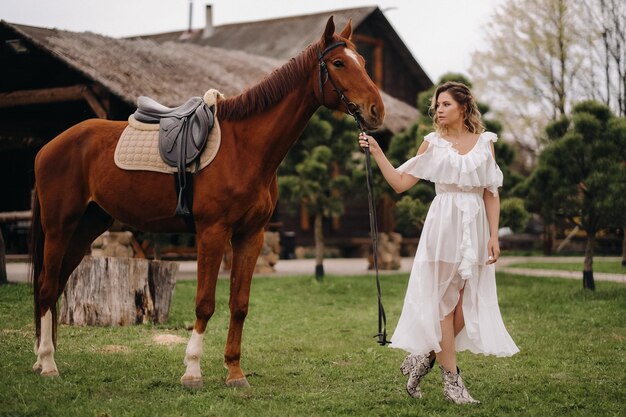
[{"x": 138, "y": 148}]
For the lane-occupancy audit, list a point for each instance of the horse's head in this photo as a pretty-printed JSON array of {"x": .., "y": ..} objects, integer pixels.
[{"x": 343, "y": 81}]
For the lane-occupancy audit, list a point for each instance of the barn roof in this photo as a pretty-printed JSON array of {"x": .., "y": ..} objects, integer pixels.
[
  {"x": 275, "y": 37},
  {"x": 170, "y": 72}
]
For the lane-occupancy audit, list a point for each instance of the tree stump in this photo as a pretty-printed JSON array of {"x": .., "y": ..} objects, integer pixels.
[
  {"x": 106, "y": 291},
  {"x": 162, "y": 280}
]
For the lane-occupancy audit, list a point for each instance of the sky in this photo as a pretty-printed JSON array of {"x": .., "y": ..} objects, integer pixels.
[{"x": 441, "y": 34}]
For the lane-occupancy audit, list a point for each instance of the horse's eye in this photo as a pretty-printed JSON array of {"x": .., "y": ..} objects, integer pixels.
[{"x": 338, "y": 63}]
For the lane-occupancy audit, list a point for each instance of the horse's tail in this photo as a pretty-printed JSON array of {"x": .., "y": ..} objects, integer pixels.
[{"x": 36, "y": 257}]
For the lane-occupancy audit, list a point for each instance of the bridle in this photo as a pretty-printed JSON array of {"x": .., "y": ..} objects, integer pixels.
[{"x": 353, "y": 110}]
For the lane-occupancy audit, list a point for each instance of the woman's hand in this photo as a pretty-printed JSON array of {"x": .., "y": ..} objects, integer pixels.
[
  {"x": 493, "y": 250},
  {"x": 366, "y": 141}
]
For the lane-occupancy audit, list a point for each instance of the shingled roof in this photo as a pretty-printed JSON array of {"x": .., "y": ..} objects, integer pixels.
[
  {"x": 273, "y": 37},
  {"x": 170, "y": 72}
]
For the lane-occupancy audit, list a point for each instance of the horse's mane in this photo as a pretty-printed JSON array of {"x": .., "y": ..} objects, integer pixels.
[{"x": 271, "y": 89}]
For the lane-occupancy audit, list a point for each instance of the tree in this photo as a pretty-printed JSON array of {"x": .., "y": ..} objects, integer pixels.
[
  {"x": 581, "y": 175},
  {"x": 314, "y": 172},
  {"x": 607, "y": 44},
  {"x": 607, "y": 47},
  {"x": 535, "y": 53}
]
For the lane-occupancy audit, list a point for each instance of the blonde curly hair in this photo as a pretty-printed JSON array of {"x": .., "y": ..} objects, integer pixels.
[{"x": 462, "y": 95}]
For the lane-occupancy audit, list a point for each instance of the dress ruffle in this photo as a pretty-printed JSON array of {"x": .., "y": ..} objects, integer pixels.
[
  {"x": 442, "y": 164},
  {"x": 469, "y": 206}
]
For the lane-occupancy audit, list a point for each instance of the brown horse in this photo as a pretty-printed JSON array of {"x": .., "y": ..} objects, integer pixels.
[{"x": 80, "y": 190}]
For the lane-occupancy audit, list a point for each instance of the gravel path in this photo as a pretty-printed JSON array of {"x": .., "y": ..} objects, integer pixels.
[{"x": 18, "y": 271}]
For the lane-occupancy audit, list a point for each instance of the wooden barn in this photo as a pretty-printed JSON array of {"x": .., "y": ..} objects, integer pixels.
[{"x": 52, "y": 79}]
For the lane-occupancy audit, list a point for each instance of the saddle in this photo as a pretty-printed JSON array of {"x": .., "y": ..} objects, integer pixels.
[{"x": 183, "y": 134}]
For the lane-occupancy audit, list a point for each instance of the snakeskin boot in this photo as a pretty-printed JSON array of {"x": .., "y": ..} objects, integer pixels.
[
  {"x": 453, "y": 388},
  {"x": 416, "y": 367}
]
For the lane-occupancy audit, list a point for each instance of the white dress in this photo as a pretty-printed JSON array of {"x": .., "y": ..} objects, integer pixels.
[{"x": 452, "y": 253}]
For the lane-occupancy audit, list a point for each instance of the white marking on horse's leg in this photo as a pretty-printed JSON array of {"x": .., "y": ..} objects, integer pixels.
[
  {"x": 37, "y": 365},
  {"x": 352, "y": 55},
  {"x": 193, "y": 376},
  {"x": 45, "y": 353}
]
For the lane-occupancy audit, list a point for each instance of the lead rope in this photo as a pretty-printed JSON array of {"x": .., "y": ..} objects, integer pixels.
[
  {"x": 354, "y": 112},
  {"x": 382, "y": 318}
]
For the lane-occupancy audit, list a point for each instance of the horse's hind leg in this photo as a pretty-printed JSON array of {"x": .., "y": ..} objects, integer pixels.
[
  {"x": 92, "y": 224},
  {"x": 246, "y": 250},
  {"x": 211, "y": 241},
  {"x": 55, "y": 245}
]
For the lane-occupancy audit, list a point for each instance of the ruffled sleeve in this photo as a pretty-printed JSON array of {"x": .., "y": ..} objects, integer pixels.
[
  {"x": 442, "y": 164},
  {"x": 419, "y": 164},
  {"x": 493, "y": 175},
  {"x": 489, "y": 137}
]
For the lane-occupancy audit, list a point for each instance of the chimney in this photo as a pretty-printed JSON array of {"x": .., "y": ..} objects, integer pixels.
[
  {"x": 187, "y": 34},
  {"x": 208, "y": 28},
  {"x": 190, "y": 16}
]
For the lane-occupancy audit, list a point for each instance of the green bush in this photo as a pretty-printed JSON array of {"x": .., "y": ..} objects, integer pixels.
[
  {"x": 513, "y": 214},
  {"x": 410, "y": 214}
]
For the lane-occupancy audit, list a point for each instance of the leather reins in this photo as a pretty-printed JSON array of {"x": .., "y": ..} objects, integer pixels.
[{"x": 353, "y": 110}]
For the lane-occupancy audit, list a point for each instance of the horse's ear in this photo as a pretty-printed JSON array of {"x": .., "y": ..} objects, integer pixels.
[
  {"x": 347, "y": 31},
  {"x": 327, "y": 38}
]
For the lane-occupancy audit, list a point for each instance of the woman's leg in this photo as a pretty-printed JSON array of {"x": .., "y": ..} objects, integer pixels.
[
  {"x": 447, "y": 355},
  {"x": 459, "y": 320},
  {"x": 451, "y": 325}
]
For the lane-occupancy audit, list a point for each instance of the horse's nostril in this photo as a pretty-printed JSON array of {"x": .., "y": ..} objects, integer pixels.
[{"x": 373, "y": 110}]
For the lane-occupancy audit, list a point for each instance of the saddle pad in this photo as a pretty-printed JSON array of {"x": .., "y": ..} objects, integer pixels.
[{"x": 138, "y": 150}]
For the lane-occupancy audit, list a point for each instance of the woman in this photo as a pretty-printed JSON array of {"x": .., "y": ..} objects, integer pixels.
[{"x": 451, "y": 302}]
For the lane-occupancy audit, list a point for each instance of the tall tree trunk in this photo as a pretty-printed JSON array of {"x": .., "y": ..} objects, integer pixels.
[
  {"x": 588, "y": 266},
  {"x": 3, "y": 263},
  {"x": 624, "y": 246},
  {"x": 548, "y": 239},
  {"x": 319, "y": 247}
]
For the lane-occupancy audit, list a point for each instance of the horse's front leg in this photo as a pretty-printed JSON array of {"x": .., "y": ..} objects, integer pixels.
[
  {"x": 211, "y": 242},
  {"x": 246, "y": 250}
]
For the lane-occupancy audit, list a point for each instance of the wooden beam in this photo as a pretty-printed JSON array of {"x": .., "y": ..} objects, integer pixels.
[
  {"x": 12, "y": 216},
  {"x": 41, "y": 96},
  {"x": 93, "y": 102},
  {"x": 54, "y": 95}
]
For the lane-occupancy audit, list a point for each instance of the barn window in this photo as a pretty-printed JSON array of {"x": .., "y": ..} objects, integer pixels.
[
  {"x": 372, "y": 50},
  {"x": 17, "y": 46}
]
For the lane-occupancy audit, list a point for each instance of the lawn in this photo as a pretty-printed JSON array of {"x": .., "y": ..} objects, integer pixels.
[
  {"x": 308, "y": 351},
  {"x": 612, "y": 267}
]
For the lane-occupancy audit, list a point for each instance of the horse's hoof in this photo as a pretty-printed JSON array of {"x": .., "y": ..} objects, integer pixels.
[
  {"x": 238, "y": 383},
  {"x": 50, "y": 374},
  {"x": 192, "y": 382},
  {"x": 37, "y": 368}
]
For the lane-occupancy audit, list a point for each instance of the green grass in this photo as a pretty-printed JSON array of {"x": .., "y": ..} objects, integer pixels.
[
  {"x": 612, "y": 267},
  {"x": 308, "y": 351}
]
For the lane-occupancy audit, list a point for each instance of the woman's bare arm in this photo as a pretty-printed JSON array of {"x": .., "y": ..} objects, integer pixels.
[{"x": 399, "y": 181}]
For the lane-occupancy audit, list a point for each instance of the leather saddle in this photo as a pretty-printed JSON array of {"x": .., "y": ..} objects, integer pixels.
[{"x": 183, "y": 134}]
